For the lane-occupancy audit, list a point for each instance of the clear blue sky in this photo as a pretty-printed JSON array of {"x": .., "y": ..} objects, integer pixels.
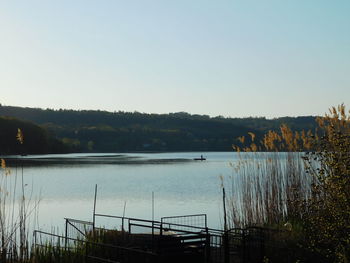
[{"x": 233, "y": 58}]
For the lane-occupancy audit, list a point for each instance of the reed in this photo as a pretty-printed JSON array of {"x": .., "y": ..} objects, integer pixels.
[
  {"x": 268, "y": 178},
  {"x": 54, "y": 251},
  {"x": 17, "y": 211},
  {"x": 299, "y": 181}
]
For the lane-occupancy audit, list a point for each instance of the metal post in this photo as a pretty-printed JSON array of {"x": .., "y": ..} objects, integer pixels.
[
  {"x": 152, "y": 219},
  {"x": 123, "y": 216},
  {"x": 226, "y": 245},
  {"x": 93, "y": 218},
  {"x": 152, "y": 206},
  {"x": 66, "y": 235},
  {"x": 224, "y": 204},
  {"x": 152, "y": 235}
]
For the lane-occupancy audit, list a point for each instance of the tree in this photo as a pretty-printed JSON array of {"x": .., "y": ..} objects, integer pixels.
[{"x": 327, "y": 212}]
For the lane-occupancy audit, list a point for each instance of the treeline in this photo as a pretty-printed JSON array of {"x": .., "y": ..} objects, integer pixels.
[
  {"x": 36, "y": 140},
  {"x": 102, "y": 131}
]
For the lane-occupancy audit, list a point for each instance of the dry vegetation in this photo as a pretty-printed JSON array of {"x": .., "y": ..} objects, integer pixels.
[
  {"x": 17, "y": 212},
  {"x": 299, "y": 181}
]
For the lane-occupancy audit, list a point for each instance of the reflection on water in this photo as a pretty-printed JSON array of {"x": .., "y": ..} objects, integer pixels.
[
  {"x": 180, "y": 184},
  {"x": 77, "y": 159}
]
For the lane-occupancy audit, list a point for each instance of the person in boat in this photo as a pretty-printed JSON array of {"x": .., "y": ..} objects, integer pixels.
[{"x": 200, "y": 159}]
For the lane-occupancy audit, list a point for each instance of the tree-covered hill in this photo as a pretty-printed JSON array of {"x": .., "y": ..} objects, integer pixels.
[
  {"x": 36, "y": 140},
  {"x": 103, "y": 131}
]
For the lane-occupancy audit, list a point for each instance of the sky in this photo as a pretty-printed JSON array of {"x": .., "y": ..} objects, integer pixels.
[{"x": 235, "y": 58}]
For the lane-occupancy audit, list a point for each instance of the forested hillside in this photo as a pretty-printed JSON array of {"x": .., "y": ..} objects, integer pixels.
[
  {"x": 35, "y": 139},
  {"x": 101, "y": 131}
]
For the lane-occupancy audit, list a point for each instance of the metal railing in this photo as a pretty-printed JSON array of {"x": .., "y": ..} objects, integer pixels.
[
  {"x": 172, "y": 236},
  {"x": 78, "y": 229},
  {"x": 198, "y": 221}
]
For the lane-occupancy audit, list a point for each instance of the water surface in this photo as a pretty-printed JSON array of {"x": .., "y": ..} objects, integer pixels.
[{"x": 180, "y": 185}]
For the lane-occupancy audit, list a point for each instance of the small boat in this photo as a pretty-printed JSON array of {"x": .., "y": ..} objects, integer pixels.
[{"x": 200, "y": 159}]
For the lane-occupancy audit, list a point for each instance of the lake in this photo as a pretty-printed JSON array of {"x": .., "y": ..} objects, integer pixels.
[{"x": 65, "y": 185}]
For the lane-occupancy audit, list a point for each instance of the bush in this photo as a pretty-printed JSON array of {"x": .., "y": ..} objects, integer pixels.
[{"x": 327, "y": 212}]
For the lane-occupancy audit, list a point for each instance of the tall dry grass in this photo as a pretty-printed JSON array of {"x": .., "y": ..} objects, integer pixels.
[
  {"x": 276, "y": 182},
  {"x": 18, "y": 211},
  {"x": 268, "y": 179}
]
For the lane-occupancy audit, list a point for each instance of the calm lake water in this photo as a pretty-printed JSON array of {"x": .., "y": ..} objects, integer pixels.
[{"x": 181, "y": 186}]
